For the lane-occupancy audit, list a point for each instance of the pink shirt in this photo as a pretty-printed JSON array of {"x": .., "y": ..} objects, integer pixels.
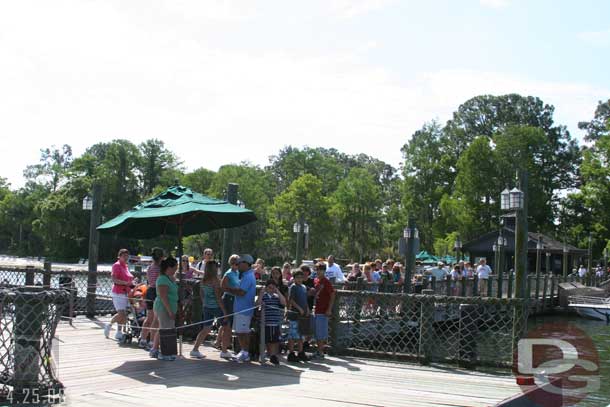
[
  {"x": 152, "y": 273},
  {"x": 120, "y": 271}
]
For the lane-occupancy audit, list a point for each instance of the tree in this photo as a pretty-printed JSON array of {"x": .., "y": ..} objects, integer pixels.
[
  {"x": 355, "y": 210},
  {"x": 198, "y": 180},
  {"x": 597, "y": 127},
  {"x": 52, "y": 167},
  {"x": 155, "y": 161},
  {"x": 303, "y": 198},
  {"x": 426, "y": 180},
  {"x": 473, "y": 207}
]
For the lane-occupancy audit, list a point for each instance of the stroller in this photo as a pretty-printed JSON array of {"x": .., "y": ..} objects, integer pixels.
[{"x": 136, "y": 314}]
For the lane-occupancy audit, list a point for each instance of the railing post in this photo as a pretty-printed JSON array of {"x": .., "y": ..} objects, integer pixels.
[
  {"x": 468, "y": 332},
  {"x": 334, "y": 326},
  {"x": 261, "y": 346},
  {"x": 464, "y": 283},
  {"x": 433, "y": 283},
  {"x": 490, "y": 284},
  {"x": 426, "y": 328},
  {"x": 29, "y": 275},
  {"x": 509, "y": 289},
  {"x": 475, "y": 286},
  {"x": 448, "y": 286},
  {"x": 552, "y": 294},
  {"x": 537, "y": 294},
  {"x": 544, "y": 291},
  {"x": 46, "y": 275}
]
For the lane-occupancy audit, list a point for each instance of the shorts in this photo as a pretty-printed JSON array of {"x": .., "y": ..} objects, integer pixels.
[
  {"x": 165, "y": 322},
  {"x": 227, "y": 301},
  {"x": 306, "y": 325},
  {"x": 272, "y": 333},
  {"x": 119, "y": 301},
  {"x": 293, "y": 331},
  {"x": 321, "y": 327},
  {"x": 151, "y": 294},
  {"x": 241, "y": 323},
  {"x": 209, "y": 314}
]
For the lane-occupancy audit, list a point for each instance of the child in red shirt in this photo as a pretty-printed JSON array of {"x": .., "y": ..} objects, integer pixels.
[{"x": 324, "y": 299}]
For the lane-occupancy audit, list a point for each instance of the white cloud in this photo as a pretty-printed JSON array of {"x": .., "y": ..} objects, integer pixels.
[
  {"x": 597, "y": 38},
  {"x": 79, "y": 82},
  {"x": 351, "y": 8},
  {"x": 495, "y": 4}
]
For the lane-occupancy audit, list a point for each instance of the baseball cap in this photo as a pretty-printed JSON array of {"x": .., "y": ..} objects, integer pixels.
[{"x": 245, "y": 258}]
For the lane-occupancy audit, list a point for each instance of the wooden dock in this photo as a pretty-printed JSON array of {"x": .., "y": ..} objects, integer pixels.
[{"x": 98, "y": 372}]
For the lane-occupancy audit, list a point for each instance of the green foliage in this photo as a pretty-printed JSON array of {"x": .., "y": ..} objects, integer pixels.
[{"x": 355, "y": 209}]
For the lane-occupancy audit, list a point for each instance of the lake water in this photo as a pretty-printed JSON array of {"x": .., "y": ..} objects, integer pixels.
[{"x": 599, "y": 332}]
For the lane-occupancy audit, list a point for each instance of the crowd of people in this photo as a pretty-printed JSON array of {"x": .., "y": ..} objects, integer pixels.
[{"x": 302, "y": 297}]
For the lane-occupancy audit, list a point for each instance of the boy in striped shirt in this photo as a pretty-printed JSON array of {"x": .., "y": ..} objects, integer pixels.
[{"x": 274, "y": 303}]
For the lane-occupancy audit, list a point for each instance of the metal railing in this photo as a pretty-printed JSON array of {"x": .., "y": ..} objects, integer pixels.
[{"x": 468, "y": 331}]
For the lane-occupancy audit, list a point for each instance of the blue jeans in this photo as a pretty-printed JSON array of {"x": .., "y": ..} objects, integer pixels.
[{"x": 321, "y": 327}]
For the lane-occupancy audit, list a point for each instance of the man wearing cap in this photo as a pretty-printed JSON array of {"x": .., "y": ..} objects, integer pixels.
[
  {"x": 438, "y": 272},
  {"x": 333, "y": 271},
  {"x": 243, "y": 306}
]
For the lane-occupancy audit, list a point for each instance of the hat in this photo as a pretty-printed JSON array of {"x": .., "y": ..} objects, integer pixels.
[
  {"x": 245, "y": 258},
  {"x": 440, "y": 263}
]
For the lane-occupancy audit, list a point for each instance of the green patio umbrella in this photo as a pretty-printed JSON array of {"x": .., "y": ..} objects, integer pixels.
[{"x": 179, "y": 212}]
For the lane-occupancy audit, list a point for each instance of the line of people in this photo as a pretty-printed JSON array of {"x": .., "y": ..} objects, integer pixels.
[{"x": 230, "y": 301}]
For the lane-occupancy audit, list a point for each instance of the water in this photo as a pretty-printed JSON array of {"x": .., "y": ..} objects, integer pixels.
[{"x": 599, "y": 332}]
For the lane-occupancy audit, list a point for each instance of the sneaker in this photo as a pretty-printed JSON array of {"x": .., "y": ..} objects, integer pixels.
[
  {"x": 303, "y": 357},
  {"x": 226, "y": 355},
  {"x": 318, "y": 355},
  {"x": 154, "y": 353},
  {"x": 118, "y": 336},
  {"x": 196, "y": 354},
  {"x": 107, "y": 330},
  {"x": 142, "y": 344},
  {"x": 292, "y": 357},
  {"x": 274, "y": 359},
  {"x": 245, "y": 357},
  {"x": 171, "y": 357}
]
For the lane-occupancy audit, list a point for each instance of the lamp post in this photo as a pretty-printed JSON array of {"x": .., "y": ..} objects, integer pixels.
[
  {"x": 605, "y": 261},
  {"x": 539, "y": 247},
  {"x": 227, "y": 240},
  {"x": 501, "y": 244},
  {"x": 514, "y": 200},
  {"x": 410, "y": 233},
  {"x": 548, "y": 262},
  {"x": 457, "y": 246},
  {"x": 565, "y": 259},
  {"x": 589, "y": 254},
  {"x": 93, "y": 204},
  {"x": 299, "y": 229}
]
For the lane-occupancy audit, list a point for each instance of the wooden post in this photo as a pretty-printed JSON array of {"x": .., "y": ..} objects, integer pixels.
[
  {"x": 46, "y": 277},
  {"x": 426, "y": 328},
  {"x": 448, "y": 286},
  {"x": 464, "y": 283},
  {"x": 544, "y": 291},
  {"x": 261, "y": 345},
  {"x": 96, "y": 212},
  {"x": 29, "y": 275},
  {"x": 227, "y": 240},
  {"x": 552, "y": 291},
  {"x": 510, "y": 284},
  {"x": 537, "y": 294},
  {"x": 468, "y": 332},
  {"x": 335, "y": 341},
  {"x": 489, "y": 287},
  {"x": 475, "y": 285},
  {"x": 433, "y": 283}
]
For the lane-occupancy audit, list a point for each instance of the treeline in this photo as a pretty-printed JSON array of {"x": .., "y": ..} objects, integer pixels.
[{"x": 356, "y": 205}]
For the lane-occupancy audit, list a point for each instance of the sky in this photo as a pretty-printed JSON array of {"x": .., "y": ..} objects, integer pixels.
[{"x": 229, "y": 81}]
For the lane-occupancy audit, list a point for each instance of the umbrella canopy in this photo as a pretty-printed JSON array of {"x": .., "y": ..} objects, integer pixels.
[{"x": 177, "y": 211}]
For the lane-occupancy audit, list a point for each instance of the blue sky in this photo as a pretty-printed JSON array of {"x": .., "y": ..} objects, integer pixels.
[{"x": 224, "y": 82}]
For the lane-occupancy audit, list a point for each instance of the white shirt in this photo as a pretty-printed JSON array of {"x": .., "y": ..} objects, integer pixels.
[
  {"x": 483, "y": 271},
  {"x": 582, "y": 271},
  {"x": 438, "y": 273},
  {"x": 335, "y": 272}
]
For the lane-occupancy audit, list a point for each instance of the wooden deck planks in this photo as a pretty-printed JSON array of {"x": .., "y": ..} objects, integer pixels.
[{"x": 98, "y": 372}]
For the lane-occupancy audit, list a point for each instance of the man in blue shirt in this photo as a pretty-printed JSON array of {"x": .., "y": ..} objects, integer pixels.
[{"x": 243, "y": 305}]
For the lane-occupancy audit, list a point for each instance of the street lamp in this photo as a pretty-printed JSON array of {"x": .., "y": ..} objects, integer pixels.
[
  {"x": 299, "y": 228},
  {"x": 458, "y": 247},
  {"x": 565, "y": 259},
  {"x": 410, "y": 234},
  {"x": 87, "y": 203},
  {"x": 500, "y": 245},
  {"x": 93, "y": 204},
  {"x": 514, "y": 200},
  {"x": 539, "y": 247}
]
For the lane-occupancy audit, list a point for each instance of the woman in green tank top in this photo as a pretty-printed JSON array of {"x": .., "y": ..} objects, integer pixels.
[{"x": 213, "y": 307}]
